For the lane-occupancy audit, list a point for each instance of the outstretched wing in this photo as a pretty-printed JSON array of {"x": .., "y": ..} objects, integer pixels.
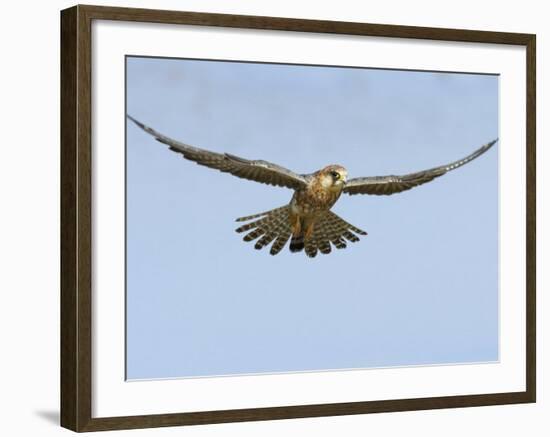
[
  {"x": 385, "y": 185},
  {"x": 254, "y": 170}
]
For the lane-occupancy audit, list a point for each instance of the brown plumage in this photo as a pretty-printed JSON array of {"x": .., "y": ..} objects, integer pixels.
[{"x": 307, "y": 220}]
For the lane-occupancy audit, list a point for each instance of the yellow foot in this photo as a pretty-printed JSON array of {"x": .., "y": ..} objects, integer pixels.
[
  {"x": 309, "y": 231},
  {"x": 296, "y": 226}
]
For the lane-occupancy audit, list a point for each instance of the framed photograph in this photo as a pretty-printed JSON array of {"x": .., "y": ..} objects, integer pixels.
[{"x": 382, "y": 178}]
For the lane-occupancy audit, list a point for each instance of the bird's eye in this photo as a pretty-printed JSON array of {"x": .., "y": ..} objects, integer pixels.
[{"x": 335, "y": 175}]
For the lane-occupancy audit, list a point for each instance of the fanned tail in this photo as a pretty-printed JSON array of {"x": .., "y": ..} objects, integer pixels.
[
  {"x": 331, "y": 229},
  {"x": 274, "y": 227},
  {"x": 271, "y": 226}
]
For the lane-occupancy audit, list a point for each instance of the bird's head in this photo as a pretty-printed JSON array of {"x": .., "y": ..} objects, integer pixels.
[{"x": 333, "y": 177}]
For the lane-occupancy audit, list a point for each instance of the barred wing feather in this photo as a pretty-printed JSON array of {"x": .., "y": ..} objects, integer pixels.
[
  {"x": 386, "y": 185},
  {"x": 255, "y": 170}
]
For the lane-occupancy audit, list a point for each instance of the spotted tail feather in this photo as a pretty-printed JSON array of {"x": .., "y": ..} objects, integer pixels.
[
  {"x": 270, "y": 226},
  {"x": 273, "y": 227},
  {"x": 297, "y": 243},
  {"x": 331, "y": 229}
]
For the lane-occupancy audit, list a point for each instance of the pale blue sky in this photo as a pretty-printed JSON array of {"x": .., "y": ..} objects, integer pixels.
[{"x": 421, "y": 288}]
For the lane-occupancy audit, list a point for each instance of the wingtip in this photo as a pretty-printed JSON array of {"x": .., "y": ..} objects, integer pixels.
[
  {"x": 140, "y": 124},
  {"x": 488, "y": 146}
]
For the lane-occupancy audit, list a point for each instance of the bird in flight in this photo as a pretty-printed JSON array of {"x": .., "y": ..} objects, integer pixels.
[{"x": 307, "y": 220}]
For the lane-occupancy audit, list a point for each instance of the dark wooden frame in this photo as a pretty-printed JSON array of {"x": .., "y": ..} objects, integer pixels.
[{"x": 76, "y": 225}]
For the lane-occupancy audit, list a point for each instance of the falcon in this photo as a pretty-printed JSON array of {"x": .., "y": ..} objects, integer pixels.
[{"x": 307, "y": 220}]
